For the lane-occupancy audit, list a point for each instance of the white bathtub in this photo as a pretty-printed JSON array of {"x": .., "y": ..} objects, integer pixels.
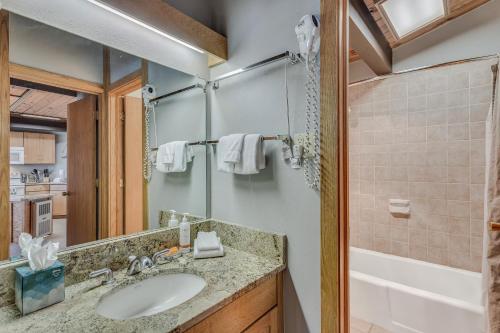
[{"x": 410, "y": 296}]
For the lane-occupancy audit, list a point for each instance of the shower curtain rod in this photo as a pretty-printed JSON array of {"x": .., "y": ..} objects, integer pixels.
[
  {"x": 279, "y": 137},
  {"x": 444, "y": 64},
  {"x": 156, "y": 100}
]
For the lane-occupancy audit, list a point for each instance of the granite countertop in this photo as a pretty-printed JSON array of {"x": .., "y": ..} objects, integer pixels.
[{"x": 227, "y": 277}]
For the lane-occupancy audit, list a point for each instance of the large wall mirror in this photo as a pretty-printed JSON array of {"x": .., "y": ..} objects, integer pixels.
[{"x": 80, "y": 129}]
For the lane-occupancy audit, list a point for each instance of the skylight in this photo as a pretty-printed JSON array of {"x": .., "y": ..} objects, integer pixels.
[{"x": 406, "y": 16}]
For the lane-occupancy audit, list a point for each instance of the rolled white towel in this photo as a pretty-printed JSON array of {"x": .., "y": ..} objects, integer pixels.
[
  {"x": 207, "y": 241},
  {"x": 198, "y": 254}
]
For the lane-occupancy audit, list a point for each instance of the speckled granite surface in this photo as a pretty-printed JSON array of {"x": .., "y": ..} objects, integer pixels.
[
  {"x": 112, "y": 253},
  {"x": 226, "y": 278},
  {"x": 251, "y": 257}
]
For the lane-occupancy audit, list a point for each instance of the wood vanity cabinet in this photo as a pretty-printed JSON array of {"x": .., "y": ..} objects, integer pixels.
[
  {"x": 259, "y": 310},
  {"x": 39, "y": 148}
]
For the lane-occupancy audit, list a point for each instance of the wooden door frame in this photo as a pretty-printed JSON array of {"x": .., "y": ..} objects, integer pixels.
[
  {"x": 42, "y": 77},
  {"x": 122, "y": 87},
  {"x": 334, "y": 167}
]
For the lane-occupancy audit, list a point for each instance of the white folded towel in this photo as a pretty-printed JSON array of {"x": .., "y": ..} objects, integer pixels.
[
  {"x": 222, "y": 148},
  {"x": 233, "y": 147},
  {"x": 207, "y": 240},
  {"x": 173, "y": 157},
  {"x": 165, "y": 154},
  {"x": 252, "y": 159},
  {"x": 198, "y": 254}
]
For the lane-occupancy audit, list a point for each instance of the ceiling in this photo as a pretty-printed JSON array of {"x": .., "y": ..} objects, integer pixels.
[
  {"x": 38, "y": 102},
  {"x": 453, "y": 9}
]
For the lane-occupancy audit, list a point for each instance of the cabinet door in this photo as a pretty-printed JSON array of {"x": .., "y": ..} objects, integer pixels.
[
  {"x": 39, "y": 148},
  {"x": 268, "y": 323},
  {"x": 16, "y": 139},
  {"x": 58, "y": 203}
]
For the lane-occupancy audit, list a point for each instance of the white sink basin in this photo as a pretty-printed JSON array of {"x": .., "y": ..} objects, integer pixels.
[{"x": 150, "y": 296}]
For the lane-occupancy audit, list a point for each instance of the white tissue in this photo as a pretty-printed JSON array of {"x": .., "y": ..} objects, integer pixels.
[{"x": 39, "y": 256}]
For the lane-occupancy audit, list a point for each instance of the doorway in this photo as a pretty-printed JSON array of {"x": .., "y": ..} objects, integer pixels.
[{"x": 53, "y": 133}]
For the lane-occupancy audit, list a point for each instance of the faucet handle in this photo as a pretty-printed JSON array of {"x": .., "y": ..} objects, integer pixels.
[
  {"x": 108, "y": 273},
  {"x": 146, "y": 262}
]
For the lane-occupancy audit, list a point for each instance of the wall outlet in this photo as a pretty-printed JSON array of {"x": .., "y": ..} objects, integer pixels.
[{"x": 305, "y": 140}]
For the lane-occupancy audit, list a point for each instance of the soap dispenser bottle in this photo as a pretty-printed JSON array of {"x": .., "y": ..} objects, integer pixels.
[
  {"x": 173, "y": 222},
  {"x": 185, "y": 233}
]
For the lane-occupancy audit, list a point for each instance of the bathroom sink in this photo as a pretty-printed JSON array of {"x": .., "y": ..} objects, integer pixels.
[{"x": 150, "y": 296}]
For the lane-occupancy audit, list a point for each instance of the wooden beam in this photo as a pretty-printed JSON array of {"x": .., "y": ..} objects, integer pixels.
[
  {"x": 31, "y": 74},
  {"x": 5, "y": 225},
  {"x": 366, "y": 39},
  {"x": 334, "y": 233},
  {"x": 166, "y": 18}
]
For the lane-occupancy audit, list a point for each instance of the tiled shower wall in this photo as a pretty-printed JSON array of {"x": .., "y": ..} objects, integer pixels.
[{"x": 421, "y": 136}]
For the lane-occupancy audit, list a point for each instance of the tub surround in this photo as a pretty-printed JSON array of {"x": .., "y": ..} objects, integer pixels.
[
  {"x": 113, "y": 253},
  {"x": 420, "y": 136}
]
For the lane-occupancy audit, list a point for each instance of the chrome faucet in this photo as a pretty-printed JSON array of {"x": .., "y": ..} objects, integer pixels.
[
  {"x": 136, "y": 265},
  {"x": 158, "y": 254},
  {"x": 108, "y": 273}
]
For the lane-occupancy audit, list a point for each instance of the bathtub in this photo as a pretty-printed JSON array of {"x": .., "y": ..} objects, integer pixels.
[{"x": 410, "y": 296}]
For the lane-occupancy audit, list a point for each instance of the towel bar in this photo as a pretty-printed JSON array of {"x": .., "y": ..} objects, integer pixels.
[{"x": 279, "y": 137}]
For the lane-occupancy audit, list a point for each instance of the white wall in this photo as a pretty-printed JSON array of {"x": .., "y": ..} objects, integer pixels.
[
  {"x": 41, "y": 46},
  {"x": 277, "y": 199},
  {"x": 471, "y": 35},
  {"x": 178, "y": 118}
]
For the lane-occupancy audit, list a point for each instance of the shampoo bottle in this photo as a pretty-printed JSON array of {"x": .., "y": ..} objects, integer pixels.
[{"x": 185, "y": 233}]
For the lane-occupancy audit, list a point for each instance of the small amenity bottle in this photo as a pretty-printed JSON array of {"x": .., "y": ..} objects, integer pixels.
[
  {"x": 184, "y": 233},
  {"x": 173, "y": 222}
]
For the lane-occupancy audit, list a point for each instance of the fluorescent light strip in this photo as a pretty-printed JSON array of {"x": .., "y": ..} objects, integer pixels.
[{"x": 144, "y": 25}]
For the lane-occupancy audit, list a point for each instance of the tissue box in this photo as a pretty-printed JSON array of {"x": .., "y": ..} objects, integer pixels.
[{"x": 37, "y": 290}]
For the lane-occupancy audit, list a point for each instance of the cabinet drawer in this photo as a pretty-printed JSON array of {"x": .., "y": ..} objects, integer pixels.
[
  {"x": 241, "y": 313},
  {"x": 266, "y": 324},
  {"x": 37, "y": 188},
  {"x": 61, "y": 187}
]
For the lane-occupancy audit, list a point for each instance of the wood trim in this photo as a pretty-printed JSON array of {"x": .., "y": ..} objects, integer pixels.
[
  {"x": 334, "y": 167},
  {"x": 128, "y": 83},
  {"x": 119, "y": 89},
  {"x": 40, "y": 76},
  {"x": 166, "y": 18},
  {"x": 103, "y": 149},
  {"x": 5, "y": 225}
]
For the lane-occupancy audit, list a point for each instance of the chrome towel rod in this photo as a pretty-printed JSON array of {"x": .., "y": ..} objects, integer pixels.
[
  {"x": 292, "y": 57},
  {"x": 156, "y": 100},
  {"x": 279, "y": 137}
]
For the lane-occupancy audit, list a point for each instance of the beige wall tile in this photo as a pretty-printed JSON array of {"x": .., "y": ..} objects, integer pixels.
[
  {"x": 399, "y": 248},
  {"x": 420, "y": 136}
]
